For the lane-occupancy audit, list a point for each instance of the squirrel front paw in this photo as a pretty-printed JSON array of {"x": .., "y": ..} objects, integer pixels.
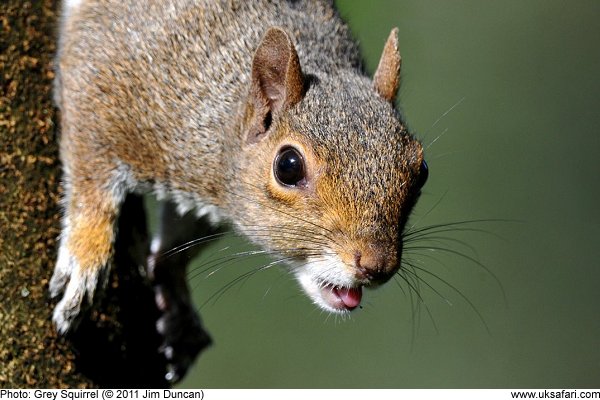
[
  {"x": 83, "y": 254},
  {"x": 76, "y": 283}
]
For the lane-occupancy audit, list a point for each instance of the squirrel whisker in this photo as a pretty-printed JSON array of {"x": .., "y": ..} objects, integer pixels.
[
  {"x": 219, "y": 293},
  {"x": 466, "y": 257},
  {"x": 438, "y": 120},
  {"x": 448, "y": 284},
  {"x": 415, "y": 301}
]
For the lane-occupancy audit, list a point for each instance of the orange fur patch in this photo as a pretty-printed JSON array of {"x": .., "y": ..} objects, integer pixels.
[{"x": 90, "y": 240}]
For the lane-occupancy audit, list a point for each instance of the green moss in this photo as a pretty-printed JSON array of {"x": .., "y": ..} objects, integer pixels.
[
  {"x": 31, "y": 355},
  {"x": 116, "y": 343}
]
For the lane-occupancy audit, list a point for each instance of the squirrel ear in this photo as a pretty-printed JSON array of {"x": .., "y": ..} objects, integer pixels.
[
  {"x": 277, "y": 80},
  {"x": 387, "y": 77}
]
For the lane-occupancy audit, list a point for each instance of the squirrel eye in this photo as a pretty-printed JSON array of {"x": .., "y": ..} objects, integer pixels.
[
  {"x": 423, "y": 174},
  {"x": 289, "y": 167}
]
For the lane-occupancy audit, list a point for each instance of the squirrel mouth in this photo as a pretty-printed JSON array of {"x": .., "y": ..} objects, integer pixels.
[{"x": 341, "y": 298}]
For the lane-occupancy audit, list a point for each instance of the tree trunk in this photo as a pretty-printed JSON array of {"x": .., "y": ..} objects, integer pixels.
[{"x": 116, "y": 343}]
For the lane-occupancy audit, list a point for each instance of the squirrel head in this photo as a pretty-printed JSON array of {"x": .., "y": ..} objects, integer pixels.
[{"x": 328, "y": 172}]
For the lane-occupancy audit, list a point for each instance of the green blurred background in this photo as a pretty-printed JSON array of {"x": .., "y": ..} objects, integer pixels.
[{"x": 510, "y": 90}]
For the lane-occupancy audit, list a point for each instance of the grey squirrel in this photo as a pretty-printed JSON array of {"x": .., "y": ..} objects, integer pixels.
[{"x": 258, "y": 113}]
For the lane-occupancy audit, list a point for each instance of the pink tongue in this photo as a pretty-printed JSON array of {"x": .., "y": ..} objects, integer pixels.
[{"x": 350, "y": 296}]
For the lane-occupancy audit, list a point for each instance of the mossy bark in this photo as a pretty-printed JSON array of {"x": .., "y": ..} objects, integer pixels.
[{"x": 116, "y": 344}]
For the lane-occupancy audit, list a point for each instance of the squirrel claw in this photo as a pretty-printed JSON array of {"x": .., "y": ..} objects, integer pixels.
[
  {"x": 76, "y": 284},
  {"x": 172, "y": 376}
]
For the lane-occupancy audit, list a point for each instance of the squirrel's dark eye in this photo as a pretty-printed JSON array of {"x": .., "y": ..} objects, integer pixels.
[
  {"x": 289, "y": 167},
  {"x": 423, "y": 174}
]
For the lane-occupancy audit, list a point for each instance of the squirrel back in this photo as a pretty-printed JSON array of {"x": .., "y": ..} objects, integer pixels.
[
  {"x": 258, "y": 112},
  {"x": 137, "y": 62}
]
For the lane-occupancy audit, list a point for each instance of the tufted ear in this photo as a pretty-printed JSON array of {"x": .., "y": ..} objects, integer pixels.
[
  {"x": 387, "y": 77},
  {"x": 277, "y": 81}
]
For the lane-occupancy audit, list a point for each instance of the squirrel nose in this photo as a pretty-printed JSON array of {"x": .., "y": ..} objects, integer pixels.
[{"x": 372, "y": 265}]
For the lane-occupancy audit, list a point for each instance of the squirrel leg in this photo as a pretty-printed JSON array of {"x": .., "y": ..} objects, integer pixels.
[
  {"x": 85, "y": 247},
  {"x": 180, "y": 325}
]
